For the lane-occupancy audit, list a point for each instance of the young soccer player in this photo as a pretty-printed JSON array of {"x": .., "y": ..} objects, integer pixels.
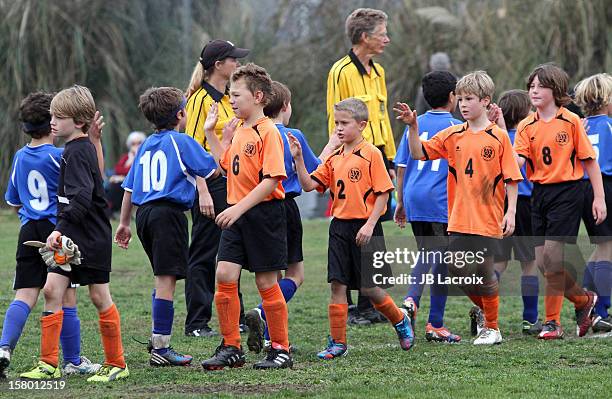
[
  {"x": 422, "y": 200},
  {"x": 515, "y": 106},
  {"x": 32, "y": 190},
  {"x": 594, "y": 96},
  {"x": 81, "y": 217},
  {"x": 552, "y": 142},
  {"x": 359, "y": 187},
  {"x": 254, "y": 227},
  {"x": 162, "y": 183},
  {"x": 480, "y": 161}
]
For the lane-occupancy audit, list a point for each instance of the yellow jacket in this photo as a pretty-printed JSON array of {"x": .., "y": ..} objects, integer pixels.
[
  {"x": 349, "y": 78},
  {"x": 197, "y": 108}
]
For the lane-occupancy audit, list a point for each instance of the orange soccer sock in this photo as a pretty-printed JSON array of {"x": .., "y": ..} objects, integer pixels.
[
  {"x": 390, "y": 310},
  {"x": 277, "y": 315},
  {"x": 476, "y": 300},
  {"x": 553, "y": 301},
  {"x": 51, "y": 327},
  {"x": 574, "y": 292},
  {"x": 338, "y": 315},
  {"x": 490, "y": 309},
  {"x": 110, "y": 330},
  {"x": 228, "y": 311}
]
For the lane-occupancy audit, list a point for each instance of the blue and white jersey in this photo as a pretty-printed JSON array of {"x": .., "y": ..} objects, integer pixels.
[
  {"x": 33, "y": 182},
  {"x": 599, "y": 130},
  {"x": 525, "y": 187},
  {"x": 165, "y": 168},
  {"x": 292, "y": 183},
  {"x": 425, "y": 193}
]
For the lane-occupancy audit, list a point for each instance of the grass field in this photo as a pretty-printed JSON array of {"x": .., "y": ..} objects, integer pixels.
[{"x": 375, "y": 366}]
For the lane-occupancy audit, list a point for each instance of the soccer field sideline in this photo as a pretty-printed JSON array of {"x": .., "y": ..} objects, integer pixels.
[{"x": 375, "y": 366}]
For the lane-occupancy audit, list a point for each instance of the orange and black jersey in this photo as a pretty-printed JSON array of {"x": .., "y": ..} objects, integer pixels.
[
  {"x": 479, "y": 163},
  {"x": 256, "y": 153},
  {"x": 197, "y": 109},
  {"x": 553, "y": 150},
  {"x": 354, "y": 180}
]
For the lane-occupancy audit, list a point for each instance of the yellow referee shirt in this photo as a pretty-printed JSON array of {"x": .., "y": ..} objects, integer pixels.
[
  {"x": 349, "y": 78},
  {"x": 197, "y": 108}
]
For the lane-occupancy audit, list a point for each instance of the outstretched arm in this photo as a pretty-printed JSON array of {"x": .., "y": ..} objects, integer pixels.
[
  {"x": 409, "y": 117},
  {"x": 307, "y": 183}
]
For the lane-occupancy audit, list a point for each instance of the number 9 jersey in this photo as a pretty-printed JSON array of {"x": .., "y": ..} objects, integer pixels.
[
  {"x": 165, "y": 168},
  {"x": 33, "y": 182}
]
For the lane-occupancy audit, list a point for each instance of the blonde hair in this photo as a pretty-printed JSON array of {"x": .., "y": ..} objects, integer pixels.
[
  {"x": 478, "y": 83},
  {"x": 594, "y": 93},
  {"x": 198, "y": 75},
  {"x": 77, "y": 103},
  {"x": 256, "y": 79},
  {"x": 363, "y": 20},
  {"x": 354, "y": 106}
]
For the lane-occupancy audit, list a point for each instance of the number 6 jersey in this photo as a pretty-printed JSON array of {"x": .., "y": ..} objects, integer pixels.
[{"x": 33, "y": 182}]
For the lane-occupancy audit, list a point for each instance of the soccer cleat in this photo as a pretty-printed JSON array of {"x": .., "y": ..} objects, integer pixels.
[
  {"x": 43, "y": 371},
  {"x": 108, "y": 373},
  {"x": 86, "y": 367},
  {"x": 531, "y": 328},
  {"x": 334, "y": 349},
  {"x": 404, "y": 331},
  {"x": 5, "y": 360},
  {"x": 488, "y": 336},
  {"x": 256, "y": 324},
  {"x": 225, "y": 356},
  {"x": 277, "y": 358},
  {"x": 441, "y": 334},
  {"x": 243, "y": 328},
  {"x": 355, "y": 318},
  {"x": 373, "y": 316},
  {"x": 411, "y": 307},
  {"x": 169, "y": 357},
  {"x": 476, "y": 321},
  {"x": 205, "y": 331},
  {"x": 551, "y": 330},
  {"x": 583, "y": 315},
  {"x": 599, "y": 325}
]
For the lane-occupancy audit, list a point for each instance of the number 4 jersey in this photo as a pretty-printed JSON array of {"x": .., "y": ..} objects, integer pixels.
[
  {"x": 479, "y": 163},
  {"x": 165, "y": 168},
  {"x": 33, "y": 182}
]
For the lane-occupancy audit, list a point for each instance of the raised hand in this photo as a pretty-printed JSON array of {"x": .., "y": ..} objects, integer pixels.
[
  {"x": 294, "y": 146},
  {"x": 404, "y": 113},
  {"x": 211, "y": 118}
]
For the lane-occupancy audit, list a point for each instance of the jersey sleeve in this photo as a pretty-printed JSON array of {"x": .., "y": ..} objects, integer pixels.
[
  {"x": 196, "y": 116},
  {"x": 521, "y": 141},
  {"x": 273, "y": 163},
  {"x": 128, "y": 182},
  {"x": 78, "y": 188},
  {"x": 337, "y": 90},
  {"x": 322, "y": 175},
  {"x": 381, "y": 182},
  {"x": 390, "y": 150},
  {"x": 310, "y": 159},
  {"x": 195, "y": 158},
  {"x": 11, "y": 196},
  {"x": 401, "y": 157},
  {"x": 509, "y": 165},
  {"x": 435, "y": 147},
  {"x": 582, "y": 144}
]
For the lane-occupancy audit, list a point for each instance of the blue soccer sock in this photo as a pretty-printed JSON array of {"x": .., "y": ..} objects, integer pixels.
[
  {"x": 14, "y": 320},
  {"x": 529, "y": 291},
  {"x": 163, "y": 316},
  {"x": 602, "y": 277},
  {"x": 416, "y": 290},
  {"x": 70, "y": 336},
  {"x": 439, "y": 294},
  {"x": 497, "y": 276},
  {"x": 288, "y": 288},
  {"x": 587, "y": 279}
]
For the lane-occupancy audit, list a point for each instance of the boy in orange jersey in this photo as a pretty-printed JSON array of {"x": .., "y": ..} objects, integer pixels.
[
  {"x": 254, "y": 227},
  {"x": 480, "y": 161},
  {"x": 552, "y": 142},
  {"x": 359, "y": 187}
]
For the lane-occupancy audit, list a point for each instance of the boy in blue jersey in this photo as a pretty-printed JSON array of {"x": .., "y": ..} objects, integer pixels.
[
  {"x": 279, "y": 110},
  {"x": 422, "y": 201},
  {"x": 514, "y": 106},
  {"x": 162, "y": 183},
  {"x": 594, "y": 96},
  {"x": 32, "y": 190}
]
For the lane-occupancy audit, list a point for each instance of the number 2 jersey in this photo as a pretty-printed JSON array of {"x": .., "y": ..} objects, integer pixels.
[
  {"x": 165, "y": 168},
  {"x": 479, "y": 163},
  {"x": 33, "y": 182}
]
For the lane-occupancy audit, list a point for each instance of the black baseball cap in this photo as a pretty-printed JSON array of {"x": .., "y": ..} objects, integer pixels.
[{"x": 217, "y": 50}]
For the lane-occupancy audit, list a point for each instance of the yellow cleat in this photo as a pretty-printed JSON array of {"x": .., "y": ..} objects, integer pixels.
[
  {"x": 109, "y": 373},
  {"x": 43, "y": 371}
]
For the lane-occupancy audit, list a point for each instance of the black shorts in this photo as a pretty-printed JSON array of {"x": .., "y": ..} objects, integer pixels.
[
  {"x": 462, "y": 242},
  {"x": 603, "y": 232},
  {"x": 258, "y": 240},
  {"x": 83, "y": 275},
  {"x": 430, "y": 235},
  {"x": 556, "y": 210},
  {"x": 294, "y": 232},
  {"x": 353, "y": 266},
  {"x": 31, "y": 270},
  {"x": 522, "y": 239},
  {"x": 163, "y": 231}
]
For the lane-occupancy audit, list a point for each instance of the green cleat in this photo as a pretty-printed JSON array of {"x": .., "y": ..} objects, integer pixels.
[
  {"x": 109, "y": 373},
  {"x": 43, "y": 371}
]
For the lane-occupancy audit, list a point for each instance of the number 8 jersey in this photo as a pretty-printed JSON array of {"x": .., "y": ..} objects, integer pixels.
[
  {"x": 33, "y": 182},
  {"x": 165, "y": 168}
]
